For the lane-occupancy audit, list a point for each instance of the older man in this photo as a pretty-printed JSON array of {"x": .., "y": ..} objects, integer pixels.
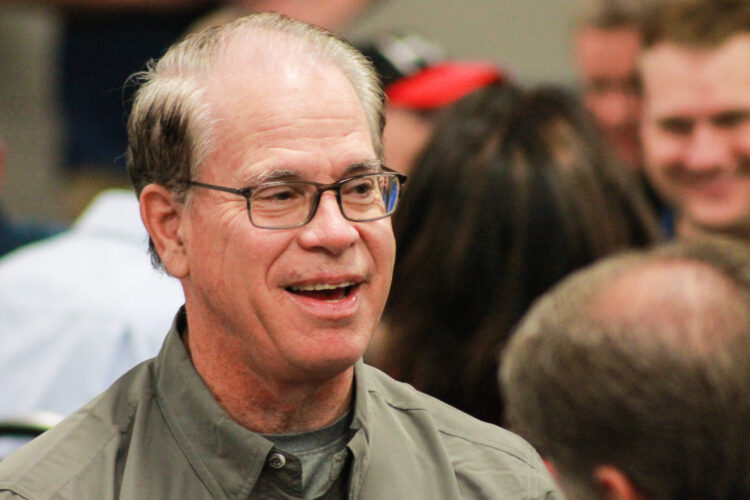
[
  {"x": 695, "y": 69},
  {"x": 606, "y": 45},
  {"x": 633, "y": 377},
  {"x": 255, "y": 150}
]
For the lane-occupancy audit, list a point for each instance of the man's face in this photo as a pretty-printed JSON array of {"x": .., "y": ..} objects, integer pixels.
[
  {"x": 304, "y": 301},
  {"x": 696, "y": 133},
  {"x": 606, "y": 61}
]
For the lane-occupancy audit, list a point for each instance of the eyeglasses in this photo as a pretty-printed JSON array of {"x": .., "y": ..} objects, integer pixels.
[{"x": 287, "y": 204}]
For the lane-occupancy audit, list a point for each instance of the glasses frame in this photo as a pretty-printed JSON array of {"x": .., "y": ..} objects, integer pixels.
[{"x": 247, "y": 192}]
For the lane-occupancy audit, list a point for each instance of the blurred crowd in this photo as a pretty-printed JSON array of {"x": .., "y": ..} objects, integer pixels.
[{"x": 571, "y": 263}]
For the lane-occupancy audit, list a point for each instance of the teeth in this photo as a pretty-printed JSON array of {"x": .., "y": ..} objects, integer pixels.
[{"x": 320, "y": 286}]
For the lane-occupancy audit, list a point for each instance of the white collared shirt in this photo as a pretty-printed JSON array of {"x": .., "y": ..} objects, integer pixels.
[{"x": 79, "y": 309}]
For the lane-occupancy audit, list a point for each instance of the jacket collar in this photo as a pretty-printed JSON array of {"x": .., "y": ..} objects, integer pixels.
[{"x": 228, "y": 457}]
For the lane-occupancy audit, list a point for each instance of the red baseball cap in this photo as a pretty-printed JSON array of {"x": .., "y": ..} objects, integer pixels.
[{"x": 442, "y": 83}]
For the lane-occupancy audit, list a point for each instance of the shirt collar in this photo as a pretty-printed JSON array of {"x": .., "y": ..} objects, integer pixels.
[{"x": 228, "y": 457}]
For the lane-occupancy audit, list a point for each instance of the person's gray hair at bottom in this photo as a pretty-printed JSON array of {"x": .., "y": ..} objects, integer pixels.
[{"x": 633, "y": 375}]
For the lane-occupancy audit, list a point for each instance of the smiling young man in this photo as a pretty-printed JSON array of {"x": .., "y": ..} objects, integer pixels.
[
  {"x": 695, "y": 70},
  {"x": 256, "y": 152}
]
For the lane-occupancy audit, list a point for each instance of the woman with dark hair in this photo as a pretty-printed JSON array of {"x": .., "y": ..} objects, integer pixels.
[{"x": 514, "y": 191}]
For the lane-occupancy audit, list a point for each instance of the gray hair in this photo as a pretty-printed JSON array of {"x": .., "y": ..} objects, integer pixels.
[
  {"x": 663, "y": 395},
  {"x": 170, "y": 129}
]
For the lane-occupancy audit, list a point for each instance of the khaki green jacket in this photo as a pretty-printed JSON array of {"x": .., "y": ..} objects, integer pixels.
[{"x": 157, "y": 433}]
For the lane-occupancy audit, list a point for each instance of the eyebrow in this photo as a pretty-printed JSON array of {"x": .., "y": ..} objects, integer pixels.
[
  {"x": 286, "y": 174},
  {"x": 364, "y": 167},
  {"x": 275, "y": 175}
]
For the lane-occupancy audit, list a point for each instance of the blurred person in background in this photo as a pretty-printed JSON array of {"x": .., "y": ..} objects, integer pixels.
[
  {"x": 606, "y": 47},
  {"x": 331, "y": 15},
  {"x": 79, "y": 309},
  {"x": 514, "y": 191},
  {"x": 419, "y": 81},
  {"x": 632, "y": 377},
  {"x": 695, "y": 69}
]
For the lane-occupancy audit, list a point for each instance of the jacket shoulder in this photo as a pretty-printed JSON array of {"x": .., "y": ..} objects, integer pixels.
[
  {"x": 449, "y": 421},
  {"x": 488, "y": 461},
  {"x": 82, "y": 449}
]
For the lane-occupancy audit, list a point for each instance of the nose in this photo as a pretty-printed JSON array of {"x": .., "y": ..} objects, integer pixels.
[
  {"x": 707, "y": 149},
  {"x": 618, "y": 109},
  {"x": 328, "y": 229}
]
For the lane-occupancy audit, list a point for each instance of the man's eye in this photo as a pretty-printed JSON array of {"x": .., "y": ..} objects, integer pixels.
[
  {"x": 598, "y": 86},
  {"x": 676, "y": 126},
  {"x": 278, "y": 194},
  {"x": 359, "y": 187}
]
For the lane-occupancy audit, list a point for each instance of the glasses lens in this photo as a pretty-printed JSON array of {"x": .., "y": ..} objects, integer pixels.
[
  {"x": 369, "y": 197},
  {"x": 281, "y": 205}
]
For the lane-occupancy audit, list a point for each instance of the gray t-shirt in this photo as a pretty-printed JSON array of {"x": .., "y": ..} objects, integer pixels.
[{"x": 322, "y": 455}]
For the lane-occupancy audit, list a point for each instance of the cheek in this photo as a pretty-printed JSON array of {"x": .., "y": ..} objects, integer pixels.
[
  {"x": 213, "y": 243},
  {"x": 741, "y": 141},
  {"x": 592, "y": 103},
  {"x": 660, "y": 148},
  {"x": 382, "y": 246}
]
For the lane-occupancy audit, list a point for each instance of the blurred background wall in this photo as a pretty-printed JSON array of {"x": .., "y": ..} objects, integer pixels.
[
  {"x": 29, "y": 124},
  {"x": 528, "y": 37}
]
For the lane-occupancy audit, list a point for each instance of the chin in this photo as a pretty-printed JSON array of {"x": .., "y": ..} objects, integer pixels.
[
  {"x": 722, "y": 225},
  {"x": 333, "y": 358},
  {"x": 326, "y": 369}
]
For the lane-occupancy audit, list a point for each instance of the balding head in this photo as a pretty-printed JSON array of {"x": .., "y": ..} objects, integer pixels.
[
  {"x": 171, "y": 128},
  {"x": 689, "y": 301},
  {"x": 642, "y": 363}
]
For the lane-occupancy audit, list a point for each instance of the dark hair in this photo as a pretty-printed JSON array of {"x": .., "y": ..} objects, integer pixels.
[
  {"x": 612, "y": 14},
  {"x": 698, "y": 23},
  {"x": 514, "y": 191},
  {"x": 659, "y": 390}
]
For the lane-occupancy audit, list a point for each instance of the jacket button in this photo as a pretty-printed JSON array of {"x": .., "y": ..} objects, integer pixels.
[{"x": 277, "y": 460}]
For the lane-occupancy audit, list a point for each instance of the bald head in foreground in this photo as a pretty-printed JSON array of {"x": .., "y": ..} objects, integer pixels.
[
  {"x": 632, "y": 377},
  {"x": 255, "y": 149}
]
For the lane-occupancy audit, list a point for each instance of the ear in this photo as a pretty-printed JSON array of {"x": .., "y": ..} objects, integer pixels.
[
  {"x": 614, "y": 484},
  {"x": 163, "y": 217}
]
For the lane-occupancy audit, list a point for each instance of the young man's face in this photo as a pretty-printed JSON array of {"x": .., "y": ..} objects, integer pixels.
[
  {"x": 696, "y": 133},
  {"x": 302, "y": 303},
  {"x": 607, "y": 62}
]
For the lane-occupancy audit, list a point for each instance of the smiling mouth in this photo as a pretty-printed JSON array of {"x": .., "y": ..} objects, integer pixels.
[{"x": 323, "y": 291}]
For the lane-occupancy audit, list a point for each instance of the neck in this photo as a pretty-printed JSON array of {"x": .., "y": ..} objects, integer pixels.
[
  {"x": 262, "y": 402},
  {"x": 687, "y": 229}
]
